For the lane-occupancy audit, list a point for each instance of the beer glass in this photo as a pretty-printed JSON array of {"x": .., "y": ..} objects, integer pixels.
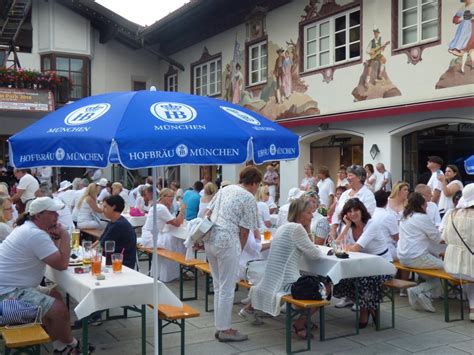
[{"x": 109, "y": 250}]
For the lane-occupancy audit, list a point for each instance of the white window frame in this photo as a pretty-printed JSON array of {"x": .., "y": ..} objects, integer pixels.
[
  {"x": 332, "y": 47},
  {"x": 261, "y": 78},
  {"x": 419, "y": 24},
  {"x": 217, "y": 82},
  {"x": 172, "y": 82}
]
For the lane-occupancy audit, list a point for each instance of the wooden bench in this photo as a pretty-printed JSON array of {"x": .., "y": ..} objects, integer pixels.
[
  {"x": 94, "y": 233},
  {"x": 184, "y": 266},
  {"x": 173, "y": 315},
  {"x": 23, "y": 339},
  {"x": 295, "y": 308},
  {"x": 447, "y": 281},
  {"x": 389, "y": 288}
]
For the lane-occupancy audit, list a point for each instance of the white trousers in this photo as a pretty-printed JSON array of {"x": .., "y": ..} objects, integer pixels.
[
  {"x": 432, "y": 287},
  {"x": 224, "y": 263}
]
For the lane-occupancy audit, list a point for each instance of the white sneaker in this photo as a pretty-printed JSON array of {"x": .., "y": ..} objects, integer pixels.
[
  {"x": 354, "y": 308},
  {"x": 403, "y": 293},
  {"x": 413, "y": 298},
  {"x": 250, "y": 316},
  {"x": 425, "y": 303},
  {"x": 345, "y": 302}
]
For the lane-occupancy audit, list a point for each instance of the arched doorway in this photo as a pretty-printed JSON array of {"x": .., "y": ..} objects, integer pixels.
[
  {"x": 336, "y": 150},
  {"x": 454, "y": 142}
]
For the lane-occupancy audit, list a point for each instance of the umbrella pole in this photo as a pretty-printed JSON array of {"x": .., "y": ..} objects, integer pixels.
[{"x": 155, "y": 266}]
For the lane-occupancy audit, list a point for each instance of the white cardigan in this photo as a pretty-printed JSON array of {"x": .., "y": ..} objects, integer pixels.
[
  {"x": 458, "y": 261},
  {"x": 290, "y": 242}
]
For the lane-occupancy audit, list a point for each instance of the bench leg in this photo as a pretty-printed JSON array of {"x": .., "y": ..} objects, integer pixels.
[
  {"x": 182, "y": 336},
  {"x": 322, "y": 324},
  {"x": 291, "y": 313},
  {"x": 160, "y": 336},
  {"x": 288, "y": 328},
  {"x": 182, "y": 270},
  {"x": 85, "y": 335},
  {"x": 143, "y": 329}
]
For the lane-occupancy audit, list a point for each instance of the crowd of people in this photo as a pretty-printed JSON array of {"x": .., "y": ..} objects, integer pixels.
[{"x": 362, "y": 211}]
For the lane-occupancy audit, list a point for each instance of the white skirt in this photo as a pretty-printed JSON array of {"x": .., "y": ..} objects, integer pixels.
[{"x": 169, "y": 270}]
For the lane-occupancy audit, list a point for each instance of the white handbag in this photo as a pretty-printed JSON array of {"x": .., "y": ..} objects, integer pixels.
[
  {"x": 201, "y": 230},
  {"x": 255, "y": 270}
]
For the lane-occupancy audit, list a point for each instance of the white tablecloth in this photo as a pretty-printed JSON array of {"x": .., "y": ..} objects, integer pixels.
[
  {"x": 118, "y": 289},
  {"x": 135, "y": 221},
  {"x": 358, "y": 265}
]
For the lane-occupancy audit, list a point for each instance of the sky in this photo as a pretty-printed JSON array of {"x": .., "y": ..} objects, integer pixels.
[{"x": 143, "y": 12}]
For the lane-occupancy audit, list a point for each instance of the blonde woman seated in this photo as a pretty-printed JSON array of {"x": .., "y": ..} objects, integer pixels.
[
  {"x": 167, "y": 270},
  {"x": 89, "y": 214},
  {"x": 291, "y": 241},
  {"x": 210, "y": 190},
  {"x": 6, "y": 215},
  {"x": 262, "y": 196}
]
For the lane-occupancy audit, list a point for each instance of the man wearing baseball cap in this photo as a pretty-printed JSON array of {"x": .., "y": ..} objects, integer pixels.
[{"x": 39, "y": 240}]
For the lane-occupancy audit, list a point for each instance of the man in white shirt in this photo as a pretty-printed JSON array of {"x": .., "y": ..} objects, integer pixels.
[
  {"x": 386, "y": 184},
  {"x": 327, "y": 189},
  {"x": 434, "y": 164},
  {"x": 44, "y": 174},
  {"x": 66, "y": 194},
  {"x": 388, "y": 223},
  {"x": 38, "y": 242},
  {"x": 25, "y": 190}
]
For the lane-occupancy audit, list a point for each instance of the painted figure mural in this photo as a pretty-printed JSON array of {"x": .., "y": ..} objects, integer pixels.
[
  {"x": 461, "y": 67},
  {"x": 374, "y": 82}
]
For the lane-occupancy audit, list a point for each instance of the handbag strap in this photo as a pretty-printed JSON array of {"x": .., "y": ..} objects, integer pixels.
[{"x": 459, "y": 235}]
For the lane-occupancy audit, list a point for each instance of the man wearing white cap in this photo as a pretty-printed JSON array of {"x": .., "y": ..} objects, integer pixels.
[
  {"x": 104, "y": 192},
  {"x": 38, "y": 241},
  {"x": 66, "y": 194}
]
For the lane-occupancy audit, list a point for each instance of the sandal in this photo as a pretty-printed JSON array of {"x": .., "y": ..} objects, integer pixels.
[{"x": 299, "y": 333}]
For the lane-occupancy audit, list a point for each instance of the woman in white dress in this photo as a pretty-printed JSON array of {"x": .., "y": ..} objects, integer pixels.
[
  {"x": 451, "y": 183},
  {"x": 309, "y": 181},
  {"x": 210, "y": 190},
  {"x": 371, "y": 180},
  {"x": 89, "y": 213},
  {"x": 167, "y": 270}
]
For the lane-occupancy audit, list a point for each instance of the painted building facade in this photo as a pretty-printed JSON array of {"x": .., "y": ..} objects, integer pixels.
[{"x": 349, "y": 76}]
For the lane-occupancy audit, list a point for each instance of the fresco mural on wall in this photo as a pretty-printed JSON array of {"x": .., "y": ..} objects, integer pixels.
[
  {"x": 461, "y": 67},
  {"x": 284, "y": 93},
  {"x": 374, "y": 83}
]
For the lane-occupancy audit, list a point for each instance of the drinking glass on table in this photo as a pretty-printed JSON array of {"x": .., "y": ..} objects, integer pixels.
[
  {"x": 75, "y": 238},
  {"x": 267, "y": 235},
  {"x": 117, "y": 260},
  {"x": 96, "y": 264},
  {"x": 109, "y": 250},
  {"x": 86, "y": 252}
]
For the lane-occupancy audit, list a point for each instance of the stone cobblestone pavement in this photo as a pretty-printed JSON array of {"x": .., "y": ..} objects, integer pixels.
[{"x": 415, "y": 332}]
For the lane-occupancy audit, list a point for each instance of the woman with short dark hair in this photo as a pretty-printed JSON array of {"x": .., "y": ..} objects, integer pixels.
[{"x": 362, "y": 234}]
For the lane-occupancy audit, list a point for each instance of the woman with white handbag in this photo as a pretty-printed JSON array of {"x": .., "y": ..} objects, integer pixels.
[{"x": 233, "y": 211}]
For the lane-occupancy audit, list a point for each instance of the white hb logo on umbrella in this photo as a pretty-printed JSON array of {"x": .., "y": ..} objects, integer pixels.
[
  {"x": 86, "y": 114},
  {"x": 173, "y": 112},
  {"x": 241, "y": 115},
  {"x": 182, "y": 151}
]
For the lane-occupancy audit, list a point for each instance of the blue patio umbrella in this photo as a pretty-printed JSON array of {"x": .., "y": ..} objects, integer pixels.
[
  {"x": 142, "y": 129},
  {"x": 469, "y": 165}
]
